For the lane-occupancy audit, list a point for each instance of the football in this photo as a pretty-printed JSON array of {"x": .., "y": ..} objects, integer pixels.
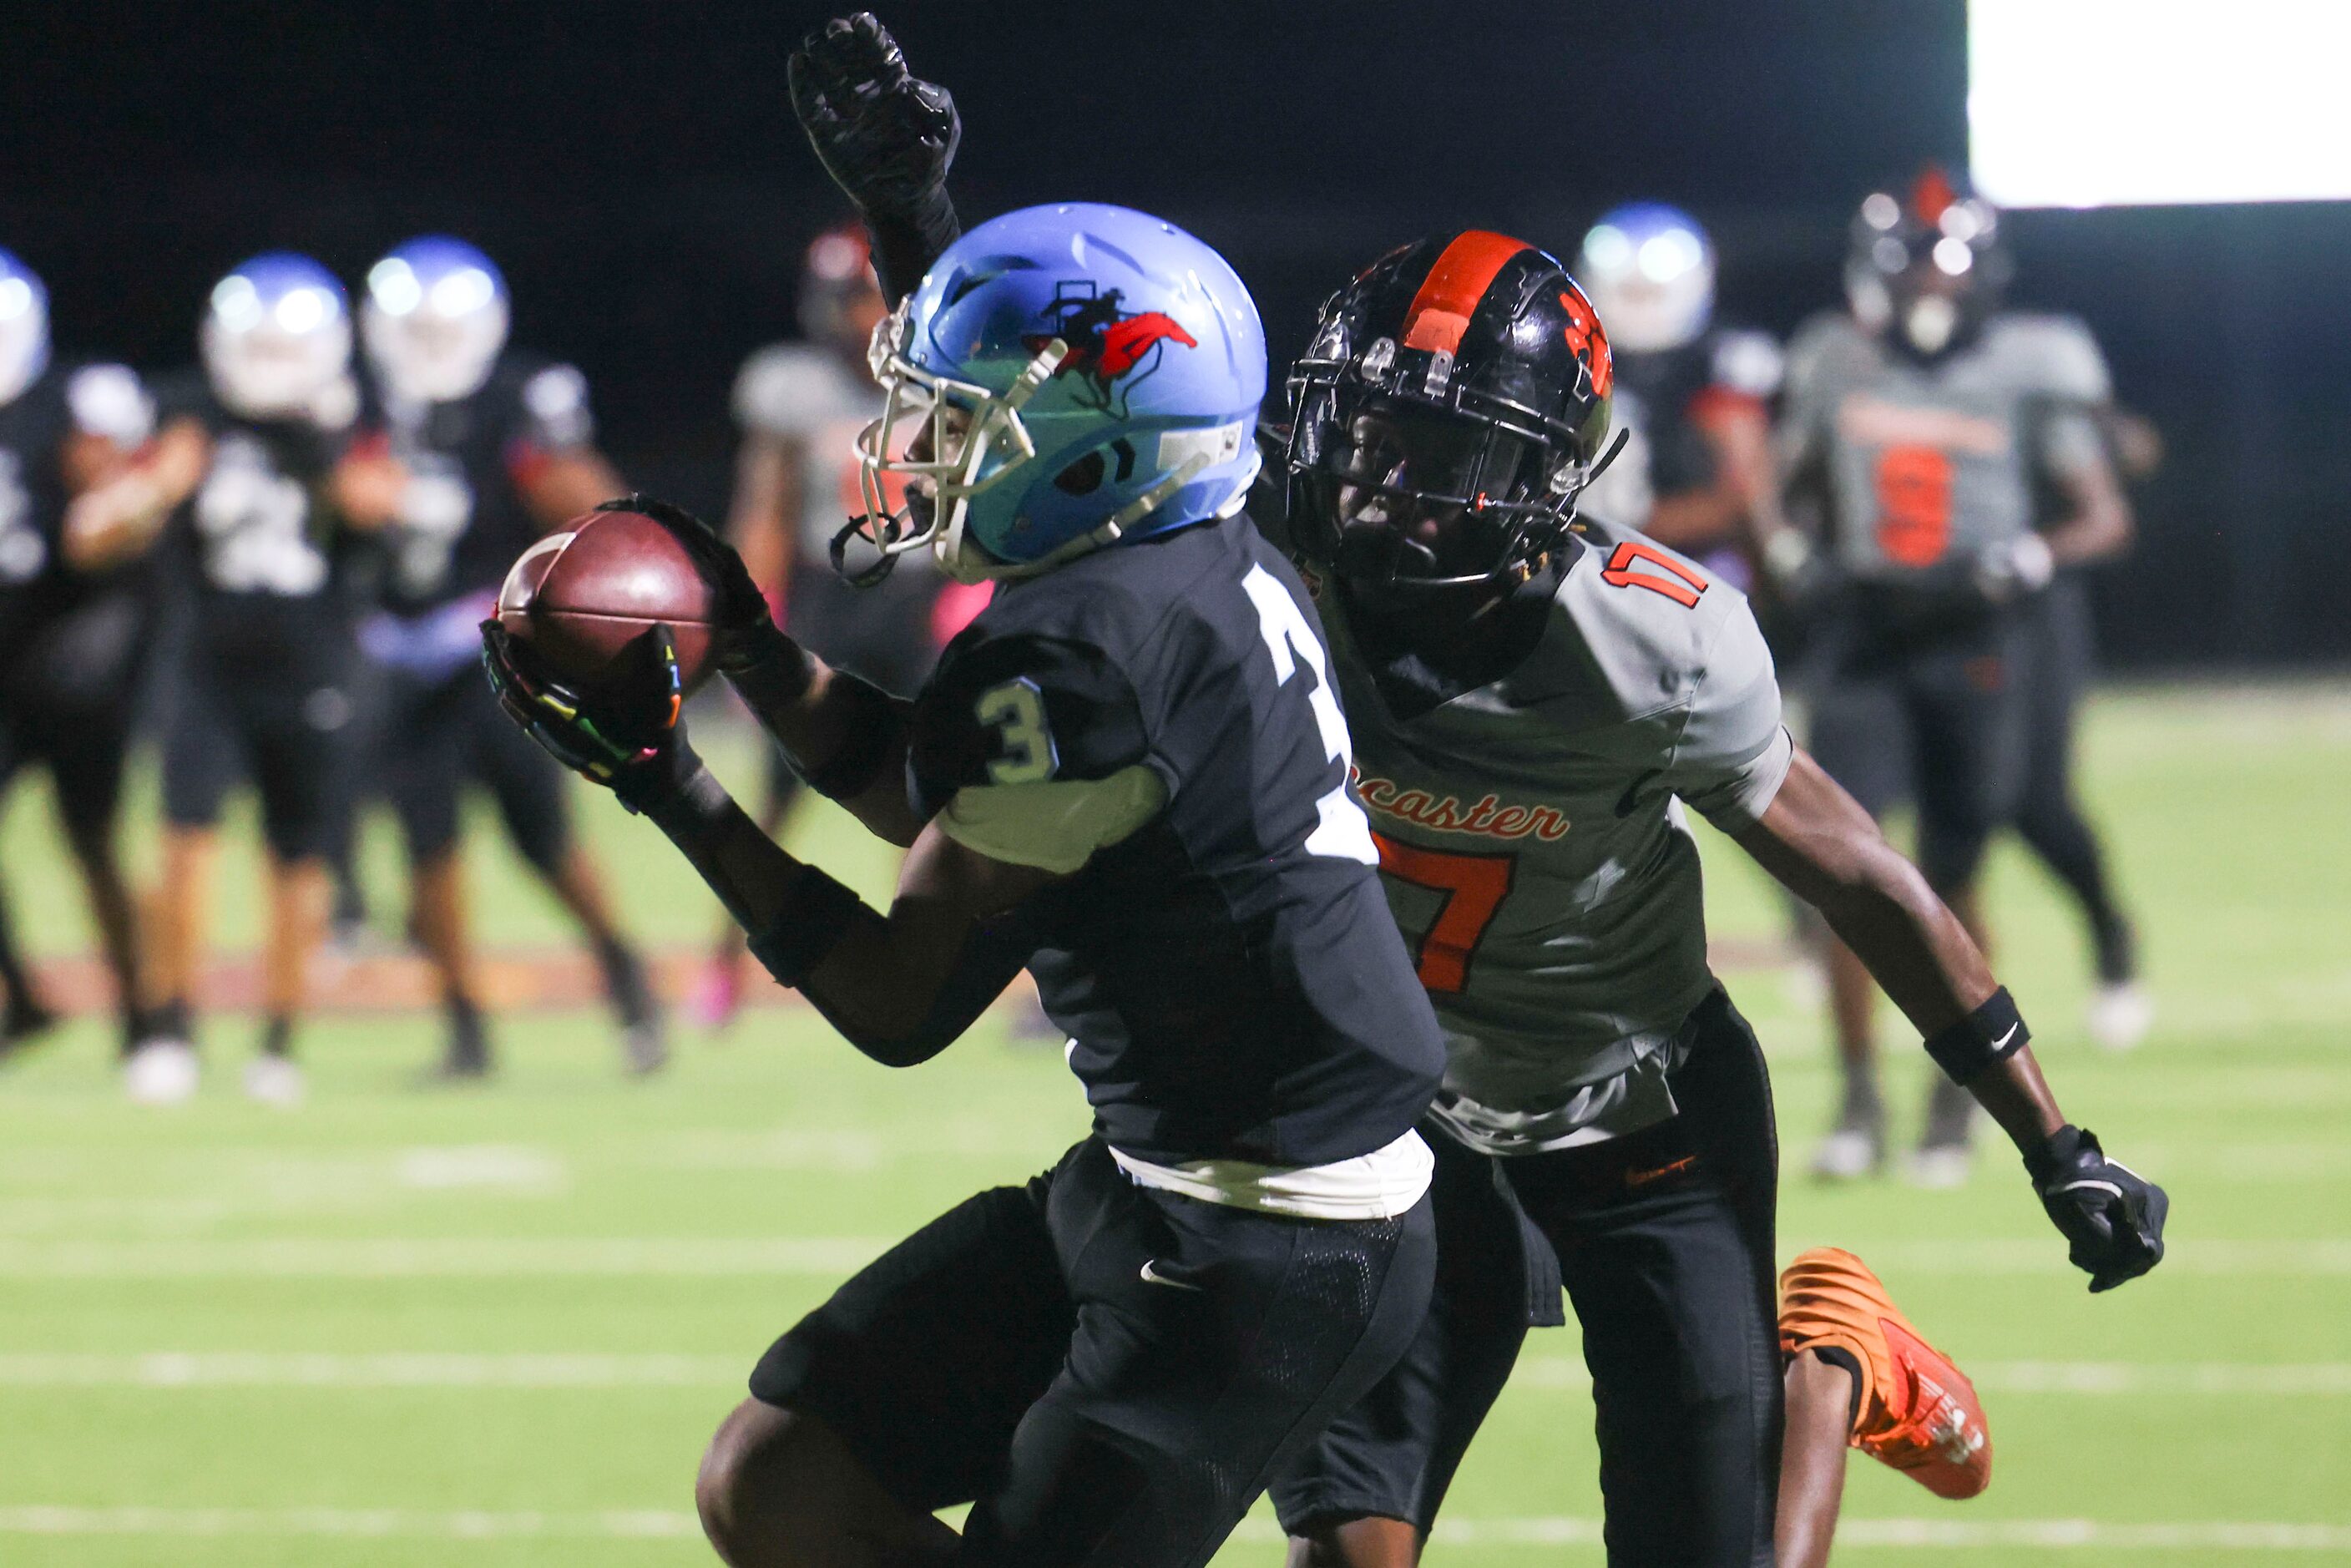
[{"x": 582, "y": 597}]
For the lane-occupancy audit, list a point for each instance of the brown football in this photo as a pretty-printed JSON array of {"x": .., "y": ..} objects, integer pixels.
[{"x": 581, "y": 596}]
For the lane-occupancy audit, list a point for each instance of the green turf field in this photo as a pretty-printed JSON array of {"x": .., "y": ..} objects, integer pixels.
[{"x": 493, "y": 1327}]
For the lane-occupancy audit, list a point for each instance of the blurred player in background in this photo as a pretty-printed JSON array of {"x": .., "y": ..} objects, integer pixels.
[
  {"x": 2061, "y": 656},
  {"x": 75, "y": 612},
  {"x": 494, "y": 447},
  {"x": 1694, "y": 396},
  {"x": 255, "y": 449},
  {"x": 801, "y": 406},
  {"x": 1918, "y": 429}
]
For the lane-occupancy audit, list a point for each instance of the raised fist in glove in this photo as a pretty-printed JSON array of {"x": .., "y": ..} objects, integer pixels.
[
  {"x": 886, "y": 139},
  {"x": 2113, "y": 1218}
]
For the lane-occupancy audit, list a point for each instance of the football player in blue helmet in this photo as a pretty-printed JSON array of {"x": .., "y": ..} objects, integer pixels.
[
  {"x": 1606, "y": 1117},
  {"x": 495, "y": 447},
  {"x": 1693, "y": 394},
  {"x": 1130, "y": 774},
  {"x": 256, "y": 457},
  {"x": 75, "y": 528}
]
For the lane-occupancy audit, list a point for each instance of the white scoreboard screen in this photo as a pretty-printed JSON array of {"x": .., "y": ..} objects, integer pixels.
[{"x": 2097, "y": 103}]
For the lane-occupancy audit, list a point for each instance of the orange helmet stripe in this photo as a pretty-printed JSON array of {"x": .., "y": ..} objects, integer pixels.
[{"x": 1440, "y": 312}]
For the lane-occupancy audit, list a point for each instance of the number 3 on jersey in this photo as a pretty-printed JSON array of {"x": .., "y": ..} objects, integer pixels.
[
  {"x": 1015, "y": 711},
  {"x": 1344, "y": 831}
]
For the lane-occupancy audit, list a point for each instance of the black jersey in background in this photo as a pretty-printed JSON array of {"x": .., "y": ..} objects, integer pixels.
[
  {"x": 270, "y": 577},
  {"x": 464, "y": 516},
  {"x": 67, "y": 637}
]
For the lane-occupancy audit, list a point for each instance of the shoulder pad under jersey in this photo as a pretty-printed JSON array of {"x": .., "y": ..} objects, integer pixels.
[
  {"x": 2048, "y": 356},
  {"x": 1747, "y": 361},
  {"x": 1632, "y": 627},
  {"x": 109, "y": 401},
  {"x": 1020, "y": 707},
  {"x": 554, "y": 413}
]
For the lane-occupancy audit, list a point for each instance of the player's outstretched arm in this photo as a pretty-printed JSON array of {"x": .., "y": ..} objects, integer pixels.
[
  {"x": 886, "y": 139},
  {"x": 903, "y": 986},
  {"x": 1817, "y": 840}
]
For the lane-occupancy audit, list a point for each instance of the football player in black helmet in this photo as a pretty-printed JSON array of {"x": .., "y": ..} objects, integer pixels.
[{"x": 1528, "y": 695}]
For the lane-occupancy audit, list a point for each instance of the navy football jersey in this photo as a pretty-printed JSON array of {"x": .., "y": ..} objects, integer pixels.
[
  {"x": 39, "y": 591},
  {"x": 464, "y": 517},
  {"x": 271, "y": 574},
  {"x": 1228, "y": 975}
]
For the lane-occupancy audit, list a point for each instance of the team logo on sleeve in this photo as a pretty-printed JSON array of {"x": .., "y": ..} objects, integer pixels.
[{"x": 1111, "y": 351}]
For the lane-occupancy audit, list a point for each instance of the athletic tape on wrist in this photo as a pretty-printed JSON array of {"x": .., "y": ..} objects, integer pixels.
[
  {"x": 872, "y": 728},
  {"x": 1992, "y": 1033},
  {"x": 816, "y": 916}
]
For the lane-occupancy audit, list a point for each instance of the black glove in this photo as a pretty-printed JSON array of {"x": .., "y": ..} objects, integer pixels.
[
  {"x": 625, "y": 734},
  {"x": 2113, "y": 1218},
  {"x": 742, "y": 632},
  {"x": 886, "y": 139}
]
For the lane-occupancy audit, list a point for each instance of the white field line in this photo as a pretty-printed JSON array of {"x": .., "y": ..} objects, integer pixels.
[
  {"x": 493, "y": 1257},
  {"x": 457, "y": 1369},
  {"x": 666, "y": 1524},
  {"x": 486, "y": 1256},
  {"x": 2327, "y": 1379},
  {"x": 247, "y": 1369}
]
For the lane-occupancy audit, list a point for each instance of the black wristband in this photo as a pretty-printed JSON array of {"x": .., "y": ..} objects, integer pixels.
[
  {"x": 694, "y": 805},
  {"x": 817, "y": 915},
  {"x": 1994, "y": 1031},
  {"x": 872, "y": 728}
]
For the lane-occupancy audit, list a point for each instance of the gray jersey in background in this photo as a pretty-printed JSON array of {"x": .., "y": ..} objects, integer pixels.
[
  {"x": 1929, "y": 463},
  {"x": 1533, "y": 851},
  {"x": 799, "y": 392}
]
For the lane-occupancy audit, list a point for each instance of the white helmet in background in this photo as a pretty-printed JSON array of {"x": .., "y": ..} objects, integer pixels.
[
  {"x": 24, "y": 327},
  {"x": 1648, "y": 270},
  {"x": 435, "y": 320},
  {"x": 277, "y": 339}
]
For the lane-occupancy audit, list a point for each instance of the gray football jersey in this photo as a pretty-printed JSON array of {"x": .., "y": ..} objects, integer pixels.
[
  {"x": 1924, "y": 464},
  {"x": 801, "y": 392},
  {"x": 1534, "y": 854}
]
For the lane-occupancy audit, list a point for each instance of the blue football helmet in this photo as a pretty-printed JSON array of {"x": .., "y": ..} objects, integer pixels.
[
  {"x": 1064, "y": 377},
  {"x": 277, "y": 339},
  {"x": 1649, "y": 271},
  {"x": 435, "y": 320},
  {"x": 24, "y": 327}
]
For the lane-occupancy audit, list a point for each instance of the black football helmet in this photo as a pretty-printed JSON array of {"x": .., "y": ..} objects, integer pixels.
[
  {"x": 1450, "y": 410},
  {"x": 1926, "y": 273}
]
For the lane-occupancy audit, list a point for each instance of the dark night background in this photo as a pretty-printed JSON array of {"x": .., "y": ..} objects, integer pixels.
[{"x": 636, "y": 172}]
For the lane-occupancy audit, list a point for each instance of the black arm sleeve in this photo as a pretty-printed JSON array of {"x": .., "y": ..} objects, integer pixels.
[
  {"x": 906, "y": 244},
  {"x": 1085, "y": 721}
]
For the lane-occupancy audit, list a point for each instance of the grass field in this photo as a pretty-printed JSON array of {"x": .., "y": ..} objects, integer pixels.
[{"x": 495, "y": 1328}]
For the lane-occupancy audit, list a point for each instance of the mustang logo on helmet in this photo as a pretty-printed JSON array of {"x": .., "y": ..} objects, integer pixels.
[{"x": 1107, "y": 346}]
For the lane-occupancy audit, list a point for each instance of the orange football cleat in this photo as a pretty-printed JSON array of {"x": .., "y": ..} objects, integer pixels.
[{"x": 1918, "y": 1412}]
